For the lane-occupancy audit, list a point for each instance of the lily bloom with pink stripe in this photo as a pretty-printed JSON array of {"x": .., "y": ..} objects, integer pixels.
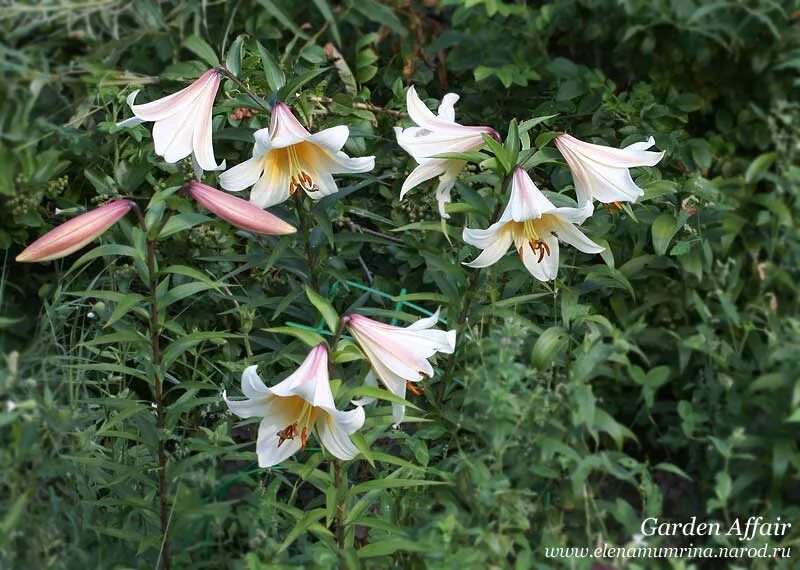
[
  {"x": 287, "y": 159},
  {"x": 182, "y": 121},
  {"x": 296, "y": 407},
  {"x": 534, "y": 225},
  {"x": 602, "y": 173},
  {"x": 434, "y": 135},
  {"x": 399, "y": 355}
]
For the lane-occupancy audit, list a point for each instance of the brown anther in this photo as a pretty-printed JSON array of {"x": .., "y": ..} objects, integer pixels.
[
  {"x": 289, "y": 432},
  {"x": 303, "y": 438},
  {"x": 413, "y": 388},
  {"x": 541, "y": 247},
  {"x": 302, "y": 180},
  {"x": 614, "y": 207}
]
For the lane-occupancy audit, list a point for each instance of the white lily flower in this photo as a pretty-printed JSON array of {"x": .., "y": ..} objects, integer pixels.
[
  {"x": 602, "y": 172},
  {"x": 435, "y": 135},
  {"x": 534, "y": 225},
  {"x": 182, "y": 121},
  {"x": 286, "y": 157},
  {"x": 295, "y": 407},
  {"x": 399, "y": 355}
]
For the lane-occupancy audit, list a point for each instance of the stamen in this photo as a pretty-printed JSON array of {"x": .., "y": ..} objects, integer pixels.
[
  {"x": 299, "y": 427},
  {"x": 541, "y": 247},
  {"x": 298, "y": 178},
  {"x": 413, "y": 388},
  {"x": 287, "y": 433},
  {"x": 614, "y": 207}
]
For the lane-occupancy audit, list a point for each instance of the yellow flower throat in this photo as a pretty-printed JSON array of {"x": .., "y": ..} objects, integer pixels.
[
  {"x": 300, "y": 427},
  {"x": 526, "y": 232},
  {"x": 298, "y": 178}
]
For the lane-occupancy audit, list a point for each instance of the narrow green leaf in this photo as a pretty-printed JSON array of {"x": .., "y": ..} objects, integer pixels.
[
  {"x": 123, "y": 307},
  {"x": 759, "y": 166},
  {"x": 325, "y": 308},
  {"x": 663, "y": 230},
  {"x": 381, "y": 14},
  {"x": 392, "y": 484},
  {"x": 201, "y": 49},
  {"x": 308, "y": 337},
  {"x": 548, "y": 345},
  {"x": 233, "y": 60},
  {"x": 273, "y": 73},
  {"x": 282, "y": 17},
  {"x": 325, "y": 9}
]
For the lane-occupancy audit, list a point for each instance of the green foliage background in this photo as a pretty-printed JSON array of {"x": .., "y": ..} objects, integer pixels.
[{"x": 661, "y": 380}]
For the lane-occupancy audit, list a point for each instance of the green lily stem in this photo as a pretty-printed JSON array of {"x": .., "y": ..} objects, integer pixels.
[
  {"x": 340, "y": 482},
  {"x": 311, "y": 259},
  {"x": 339, "y": 474},
  {"x": 154, "y": 329},
  {"x": 466, "y": 303}
]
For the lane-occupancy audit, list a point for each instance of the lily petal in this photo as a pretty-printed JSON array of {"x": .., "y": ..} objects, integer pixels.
[
  {"x": 238, "y": 212},
  {"x": 334, "y": 431},
  {"x": 269, "y": 448},
  {"x": 601, "y": 172},
  {"x": 527, "y": 202},
  {"x": 75, "y": 233},
  {"x": 243, "y": 175}
]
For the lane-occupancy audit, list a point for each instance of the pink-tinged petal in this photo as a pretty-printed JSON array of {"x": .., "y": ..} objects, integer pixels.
[
  {"x": 397, "y": 354},
  {"x": 546, "y": 269},
  {"x": 76, "y": 233},
  {"x": 284, "y": 128},
  {"x": 425, "y": 118},
  {"x": 447, "y": 107},
  {"x": 628, "y": 157},
  {"x": 446, "y": 183},
  {"x": 171, "y": 104},
  {"x": 272, "y": 188},
  {"x": 494, "y": 241},
  {"x": 601, "y": 172},
  {"x": 425, "y": 145},
  {"x": 238, "y": 212},
  {"x": 571, "y": 235},
  {"x": 172, "y": 137},
  {"x": 252, "y": 385},
  {"x": 201, "y": 141},
  {"x": 243, "y": 175},
  {"x": 423, "y": 173},
  {"x": 526, "y": 202},
  {"x": 269, "y": 448},
  {"x": 310, "y": 381},
  {"x": 334, "y": 431},
  {"x": 331, "y": 139}
]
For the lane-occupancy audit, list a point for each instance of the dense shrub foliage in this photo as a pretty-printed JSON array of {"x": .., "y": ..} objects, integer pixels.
[{"x": 661, "y": 378}]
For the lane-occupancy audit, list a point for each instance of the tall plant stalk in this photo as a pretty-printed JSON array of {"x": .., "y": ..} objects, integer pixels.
[
  {"x": 154, "y": 330},
  {"x": 467, "y": 300},
  {"x": 311, "y": 259}
]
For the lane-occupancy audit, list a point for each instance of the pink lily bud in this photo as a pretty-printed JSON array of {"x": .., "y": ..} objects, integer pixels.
[
  {"x": 239, "y": 212},
  {"x": 76, "y": 233}
]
